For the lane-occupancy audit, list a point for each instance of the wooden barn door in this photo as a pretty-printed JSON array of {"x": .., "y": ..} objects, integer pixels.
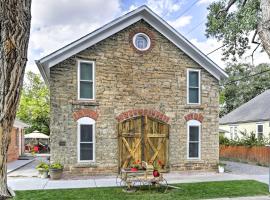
[{"x": 143, "y": 138}]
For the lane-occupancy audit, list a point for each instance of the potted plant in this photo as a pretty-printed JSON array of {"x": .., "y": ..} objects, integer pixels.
[
  {"x": 221, "y": 167},
  {"x": 43, "y": 169},
  {"x": 56, "y": 171},
  {"x": 156, "y": 170},
  {"x": 135, "y": 166}
]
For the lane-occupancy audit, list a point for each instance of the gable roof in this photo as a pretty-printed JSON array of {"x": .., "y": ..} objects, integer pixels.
[
  {"x": 119, "y": 24},
  {"x": 255, "y": 110},
  {"x": 20, "y": 124}
]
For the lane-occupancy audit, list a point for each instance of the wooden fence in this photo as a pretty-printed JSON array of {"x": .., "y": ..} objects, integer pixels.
[{"x": 258, "y": 155}]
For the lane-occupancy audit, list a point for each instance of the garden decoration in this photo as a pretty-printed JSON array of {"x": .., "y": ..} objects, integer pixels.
[
  {"x": 56, "y": 171},
  {"x": 43, "y": 169}
]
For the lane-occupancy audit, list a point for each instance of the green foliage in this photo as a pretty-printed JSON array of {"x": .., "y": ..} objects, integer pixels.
[
  {"x": 247, "y": 140},
  {"x": 233, "y": 94},
  {"x": 34, "y": 104},
  {"x": 233, "y": 26},
  {"x": 56, "y": 165},
  {"x": 42, "y": 166}
]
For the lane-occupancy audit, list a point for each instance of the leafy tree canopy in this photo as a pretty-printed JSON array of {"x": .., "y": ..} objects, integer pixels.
[
  {"x": 34, "y": 104},
  {"x": 235, "y": 93},
  {"x": 234, "y": 22}
]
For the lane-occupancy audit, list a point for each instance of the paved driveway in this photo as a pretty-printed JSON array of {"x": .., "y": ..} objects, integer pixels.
[{"x": 249, "y": 171}]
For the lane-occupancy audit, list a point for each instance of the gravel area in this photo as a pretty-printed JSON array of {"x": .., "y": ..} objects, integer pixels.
[{"x": 242, "y": 168}]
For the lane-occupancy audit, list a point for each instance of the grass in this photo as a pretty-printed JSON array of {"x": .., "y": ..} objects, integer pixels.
[{"x": 188, "y": 191}]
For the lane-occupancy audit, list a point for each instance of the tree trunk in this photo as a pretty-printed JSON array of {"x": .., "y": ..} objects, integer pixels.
[
  {"x": 15, "y": 17},
  {"x": 264, "y": 25}
]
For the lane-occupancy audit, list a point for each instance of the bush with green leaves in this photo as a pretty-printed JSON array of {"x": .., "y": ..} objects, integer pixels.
[
  {"x": 42, "y": 166},
  {"x": 246, "y": 140},
  {"x": 56, "y": 165}
]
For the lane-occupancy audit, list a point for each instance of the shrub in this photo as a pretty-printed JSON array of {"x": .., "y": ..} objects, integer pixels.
[
  {"x": 56, "y": 165},
  {"x": 246, "y": 140}
]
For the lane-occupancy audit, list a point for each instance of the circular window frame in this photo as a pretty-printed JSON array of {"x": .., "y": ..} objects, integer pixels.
[{"x": 146, "y": 37}]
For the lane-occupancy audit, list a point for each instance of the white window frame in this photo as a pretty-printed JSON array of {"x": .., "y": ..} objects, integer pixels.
[
  {"x": 234, "y": 134},
  {"x": 199, "y": 75},
  {"x": 259, "y": 124},
  {"x": 197, "y": 124},
  {"x": 86, "y": 121},
  {"x": 146, "y": 37},
  {"x": 79, "y": 78}
]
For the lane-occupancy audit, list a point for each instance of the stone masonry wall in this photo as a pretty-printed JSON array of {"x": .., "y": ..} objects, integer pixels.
[{"x": 125, "y": 80}]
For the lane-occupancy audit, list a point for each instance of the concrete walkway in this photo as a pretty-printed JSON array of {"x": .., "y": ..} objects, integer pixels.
[
  {"x": 14, "y": 165},
  {"x": 110, "y": 181},
  {"x": 245, "y": 198}
]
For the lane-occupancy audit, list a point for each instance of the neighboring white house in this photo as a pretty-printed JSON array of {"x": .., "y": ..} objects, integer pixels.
[{"x": 253, "y": 116}]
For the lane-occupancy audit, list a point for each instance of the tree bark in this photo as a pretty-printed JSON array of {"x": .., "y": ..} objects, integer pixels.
[
  {"x": 264, "y": 25},
  {"x": 15, "y": 18}
]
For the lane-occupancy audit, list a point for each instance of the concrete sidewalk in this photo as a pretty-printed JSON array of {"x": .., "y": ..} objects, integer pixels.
[
  {"x": 16, "y": 164},
  {"x": 245, "y": 198},
  {"x": 17, "y": 183}
]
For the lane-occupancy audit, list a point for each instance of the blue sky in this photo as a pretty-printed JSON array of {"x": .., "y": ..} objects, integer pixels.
[{"x": 57, "y": 23}]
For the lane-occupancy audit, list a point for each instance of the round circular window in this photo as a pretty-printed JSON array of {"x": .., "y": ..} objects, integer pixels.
[{"x": 141, "y": 41}]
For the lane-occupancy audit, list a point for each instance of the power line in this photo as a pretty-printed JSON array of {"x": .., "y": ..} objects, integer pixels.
[
  {"x": 215, "y": 50},
  {"x": 185, "y": 11},
  {"x": 195, "y": 27},
  {"x": 233, "y": 81}
]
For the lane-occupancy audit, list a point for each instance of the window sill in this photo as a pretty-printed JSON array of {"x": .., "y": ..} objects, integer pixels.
[
  {"x": 85, "y": 164},
  {"x": 84, "y": 102},
  {"x": 195, "y": 106}
]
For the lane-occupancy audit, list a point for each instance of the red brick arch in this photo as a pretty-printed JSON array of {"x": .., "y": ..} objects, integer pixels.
[
  {"x": 85, "y": 113},
  {"x": 142, "y": 112},
  {"x": 194, "y": 116}
]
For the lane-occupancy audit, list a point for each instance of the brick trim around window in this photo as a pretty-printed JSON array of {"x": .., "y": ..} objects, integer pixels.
[
  {"x": 85, "y": 113},
  {"x": 142, "y": 112},
  {"x": 194, "y": 116},
  {"x": 145, "y": 31}
]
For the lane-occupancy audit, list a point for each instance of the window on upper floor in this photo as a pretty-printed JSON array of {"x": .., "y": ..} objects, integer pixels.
[
  {"x": 86, "y": 80},
  {"x": 193, "y": 86}
]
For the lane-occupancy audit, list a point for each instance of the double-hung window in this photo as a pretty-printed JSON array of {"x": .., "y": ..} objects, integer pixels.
[
  {"x": 234, "y": 132},
  {"x": 260, "y": 131},
  {"x": 86, "y": 139},
  {"x": 193, "y": 86},
  {"x": 86, "y": 80},
  {"x": 194, "y": 129}
]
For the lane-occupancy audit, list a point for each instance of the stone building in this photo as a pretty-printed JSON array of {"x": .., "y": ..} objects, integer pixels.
[{"x": 135, "y": 89}]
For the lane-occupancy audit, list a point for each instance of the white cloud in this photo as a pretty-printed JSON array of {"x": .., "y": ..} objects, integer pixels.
[
  {"x": 180, "y": 22},
  {"x": 164, "y": 7},
  {"x": 57, "y": 23},
  {"x": 206, "y": 1}
]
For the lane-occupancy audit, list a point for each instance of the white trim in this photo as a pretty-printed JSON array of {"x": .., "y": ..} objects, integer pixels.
[
  {"x": 115, "y": 26},
  {"x": 233, "y": 133},
  {"x": 194, "y": 123},
  {"x": 199, "y": 75},
  {"x": 86, "y": 121},
  {"x": 79, "y": 61},
  {"x": 259, "y": 124},
  {"x": 146, "y": 37}
]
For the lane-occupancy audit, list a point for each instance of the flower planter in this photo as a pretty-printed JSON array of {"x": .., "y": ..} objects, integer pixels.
[
  {"x": 43, "y": 173},
  {"x": 56, "y": 174},
  {"x": 156, "y": 173},
  {"x": 221, "y": 169},
  {"x": 133, "y": 169}
]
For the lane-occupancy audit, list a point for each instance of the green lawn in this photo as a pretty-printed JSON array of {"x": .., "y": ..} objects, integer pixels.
[{"x": 188, "y": 191}]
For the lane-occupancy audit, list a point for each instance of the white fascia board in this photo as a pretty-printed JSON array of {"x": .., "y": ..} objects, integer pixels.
[{"x": 121, "y": 23}]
